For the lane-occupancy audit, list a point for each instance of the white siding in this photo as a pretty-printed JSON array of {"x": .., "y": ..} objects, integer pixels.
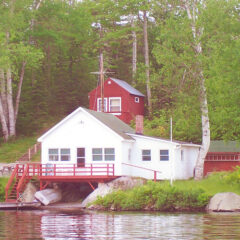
[{"x": 83, "y": 131}]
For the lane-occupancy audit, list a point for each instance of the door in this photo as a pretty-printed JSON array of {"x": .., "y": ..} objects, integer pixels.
[{"x": 81, "y": 157}]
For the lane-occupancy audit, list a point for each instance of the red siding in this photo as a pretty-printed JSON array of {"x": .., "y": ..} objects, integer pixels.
[
  {"x": 221, "y": 161},
  {"x": 129, "y": 108}
]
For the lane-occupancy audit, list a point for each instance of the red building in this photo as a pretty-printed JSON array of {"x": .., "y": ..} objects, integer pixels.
[
  {"x": 120, "y": 99},
  {"x": 222, "y": 156}
]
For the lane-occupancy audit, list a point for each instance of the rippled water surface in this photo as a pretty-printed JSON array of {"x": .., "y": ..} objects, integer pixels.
[{"x": 85, "y": 225}]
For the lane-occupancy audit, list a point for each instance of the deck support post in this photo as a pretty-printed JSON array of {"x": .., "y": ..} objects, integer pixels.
[
  {"x": 93, "y": 188},
  {"x": 43, "y": 186},
  {"x": 155, "y": 176}
]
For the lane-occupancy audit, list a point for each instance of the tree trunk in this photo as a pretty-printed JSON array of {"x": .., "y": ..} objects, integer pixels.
[
  {"x": 11, "y": 115},
  {"x": 19, "y": 90},
  {"x": 3, "y": 106},
  {"x": 146, "y": 56},
  {"x": 134, "y": 52},
  {"x": 3, "y": 94},
  {"x": 203, "y": 94}
]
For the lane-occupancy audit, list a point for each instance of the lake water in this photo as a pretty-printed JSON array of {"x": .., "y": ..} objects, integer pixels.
[{"x": 91, "y": 225}]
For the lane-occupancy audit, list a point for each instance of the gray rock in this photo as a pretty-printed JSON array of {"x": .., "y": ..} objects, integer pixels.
[
  {"x": 29, "y": 192},
  {"x": 122, "y": 183},
  {"x": 224, "y": 202}
]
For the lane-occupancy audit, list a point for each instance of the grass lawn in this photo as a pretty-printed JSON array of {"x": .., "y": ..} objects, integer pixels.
[
  {"x": 213, "y": 184},
  {"x": 14, "y": 149}
]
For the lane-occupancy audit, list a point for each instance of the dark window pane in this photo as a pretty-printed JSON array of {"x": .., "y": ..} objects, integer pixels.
[
  {"x": 97, "y": 157},
  {"x": 146, "y": 158},
  {"x": 109, "y": 151},
  {"x": 97, "y": 151},
  {"x": 164, "y": 158},
  {"x": 163, "y": 152}
]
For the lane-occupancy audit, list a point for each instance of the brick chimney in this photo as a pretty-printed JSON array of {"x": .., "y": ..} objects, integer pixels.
[{"x": 139, "y": 124}]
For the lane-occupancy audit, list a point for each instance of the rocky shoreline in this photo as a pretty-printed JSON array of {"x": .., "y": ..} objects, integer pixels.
[{"x": 220, "y": 202}]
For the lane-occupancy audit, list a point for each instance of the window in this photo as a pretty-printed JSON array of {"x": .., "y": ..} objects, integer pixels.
[
  {"x": 182, "y": 155},
  {"x": 137, "y": 99},
  {"x": 97, "y": 154},
  {"x": 109, "y": 154},
  {"x": 164, "y": 155},
  {"x": 65, "y": 154},
  {"x": 62, "y": 154},
  {"x": 99, "y": 104},
  {"x": 114, "y": 104},
  {"x": 53, "y": 154},
  {"x": 100, "y": 154},
  {"x": 146, "y": 155}
]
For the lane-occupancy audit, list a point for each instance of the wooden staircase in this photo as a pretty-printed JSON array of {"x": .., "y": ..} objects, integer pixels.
[
  {"x": 17, "y": 183},
  {"x": 20, "y": 177}
]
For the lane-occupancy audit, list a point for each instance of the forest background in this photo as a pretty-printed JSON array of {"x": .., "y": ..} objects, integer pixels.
[{"x": 48, "y": 49}]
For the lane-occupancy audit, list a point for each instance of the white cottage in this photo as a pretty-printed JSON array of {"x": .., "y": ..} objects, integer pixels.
[{"x": 88, "y": 138}]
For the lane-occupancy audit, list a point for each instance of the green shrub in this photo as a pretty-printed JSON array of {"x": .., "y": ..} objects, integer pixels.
[{"x": 156, "y": 196}]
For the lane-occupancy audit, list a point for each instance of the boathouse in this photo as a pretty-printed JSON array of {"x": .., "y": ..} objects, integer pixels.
[
  {"x": 120, "y": 99},
  {"x": 222, "y": 156}
]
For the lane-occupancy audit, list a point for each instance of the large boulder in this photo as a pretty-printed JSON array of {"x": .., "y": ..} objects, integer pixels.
[
  {"x": 224, "y": 202},
  {"x": 121, "y": 183},
  {"x": 29, "y": 192}
]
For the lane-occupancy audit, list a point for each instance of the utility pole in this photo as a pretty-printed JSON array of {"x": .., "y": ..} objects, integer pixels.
[
  {"x": 101, "y": 74},
  {"x": 102, "y": 82}
]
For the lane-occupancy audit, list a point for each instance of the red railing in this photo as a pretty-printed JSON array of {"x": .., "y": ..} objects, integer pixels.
[
  {"x": 57, "y": 170},
  {"x": 10, "y": 181},
  {"x": 148, "y": 169}
]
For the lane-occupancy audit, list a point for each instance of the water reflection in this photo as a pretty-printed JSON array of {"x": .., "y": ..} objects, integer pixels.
[{"x": 55, "y": 225}]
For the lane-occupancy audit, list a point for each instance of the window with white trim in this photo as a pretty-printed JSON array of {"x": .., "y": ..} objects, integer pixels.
[
  {"x": 59, "y": 154},
  {"x": 164, "y": 155},
  {"x": 109, "y": 154},
  {"x": 146, "y": 155},
  {"x": 53, "y": 154},
  {"x": 115, "y": 104},
  {"x": 97, "y": 154},
  {"x": 100, "y": 154},
  {"x": 99, "y": 105},
  {"x": 136, "y": 99},
  {"x": 65, "y": 154}
]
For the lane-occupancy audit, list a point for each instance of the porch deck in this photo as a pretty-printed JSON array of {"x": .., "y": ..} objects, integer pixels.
[{"x": 47, "y": 173}]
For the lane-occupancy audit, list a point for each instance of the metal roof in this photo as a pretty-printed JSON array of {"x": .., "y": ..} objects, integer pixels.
[
  {"x": 223, "y": 146},
  {"x": 113, "y": 123},
  {"x": 127, "y": 87}
]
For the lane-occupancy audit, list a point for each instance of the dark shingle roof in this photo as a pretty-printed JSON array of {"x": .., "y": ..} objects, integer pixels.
[
  {"x": 222, "y": 146},
  {"x": 113, "y": 123},
  {"x": 127, "y": 87}
]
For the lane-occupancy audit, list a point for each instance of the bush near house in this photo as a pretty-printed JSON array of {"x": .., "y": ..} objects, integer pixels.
[
  {"x": 183, "y": 195},
  {"x": 159, "y": 196}
]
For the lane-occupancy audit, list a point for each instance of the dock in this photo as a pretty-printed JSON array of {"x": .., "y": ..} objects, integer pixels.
[{"x": 19, "y": 205}]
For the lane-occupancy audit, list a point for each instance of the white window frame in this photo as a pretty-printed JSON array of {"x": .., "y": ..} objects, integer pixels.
[
  {"x": 103, "y": 155},
  {"x": 53, "y": 155},
  {"x": 68, "y": 155},
  {"x": 100, "y": 154},
  {"x": 146, "y": 157},
  {"x": 59, "y": 155},
  {"x": 164, "y": 155},
  {"x": 109, "y": 156},
  {"x": 137, "y": 100},
  {"x": 115, "y": 98},
  {"x": 99, "y": 105}
]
